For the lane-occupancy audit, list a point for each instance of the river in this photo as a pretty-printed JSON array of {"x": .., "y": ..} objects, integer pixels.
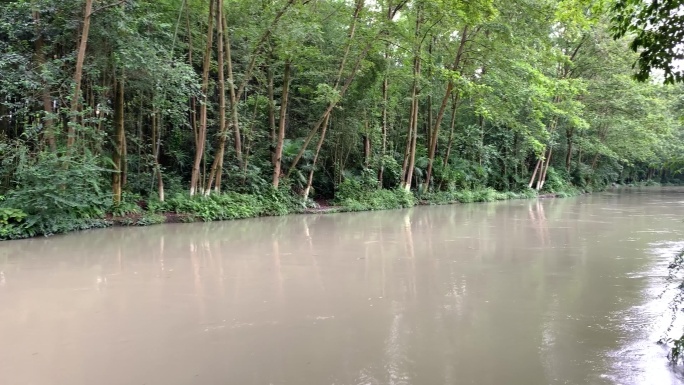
[{"x": 557, "y": 291}]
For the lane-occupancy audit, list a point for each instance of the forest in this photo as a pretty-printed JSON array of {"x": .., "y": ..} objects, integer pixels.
[{"x": 144, "y": 111}]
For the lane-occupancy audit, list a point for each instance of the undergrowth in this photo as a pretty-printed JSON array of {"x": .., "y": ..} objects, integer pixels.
[
  {"x": 54, "y": 195},
  {"x": 71, "y": 201},
  {"x": 229, "y": 205},
  {"x": 471, "y": 196},
  {"x": 362, "y": 194}
]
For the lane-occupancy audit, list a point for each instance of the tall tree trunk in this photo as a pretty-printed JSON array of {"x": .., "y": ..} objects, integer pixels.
[
  {"x": 118, "y": 156},
  {"x": 385, "y": 97},
  {"x": 410, "y": 155},
  {"x": 428, "y": 113},
  {"x": 124, "y": 158},
  {"x": 409, "y": 138},
  {"x": 48, "y": 122},
  {"x": 309, "y": 182},
  {"x": 594, "y": 162},
  {"x": 452, "y": 127},
  {"x": 78, "y": 75},
  {"x": 234, "y": 98},
  {"x": 193, "y": 102},
  {"x": 541, "y": 173},
  {"x": 414, "y": 136},
  {"x": 481, "y": 124},
  {"x": 156, "y": 146},
  {"x": 249, "y": 141},
  {"x": 271, "y": 115},
  {"x": 202, "y": 130},
  {"x": 281, "y": 126},
  {"x": 579, "y": 155},
  {"x": 366, "y": 143},
  {"x": 568, "y": 154},
  {"x": 450, "y": 142},
  {"x": 217, "y": 165},
  {"x": 442, "y": 108}
]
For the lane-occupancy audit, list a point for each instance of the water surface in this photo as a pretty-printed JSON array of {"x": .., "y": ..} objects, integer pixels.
[{"x": 561, "y": 291}]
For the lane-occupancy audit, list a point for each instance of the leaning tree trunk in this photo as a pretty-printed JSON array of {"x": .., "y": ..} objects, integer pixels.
[
  {"x": 338, "y": 79},
  {"x": 309, "y": 182},
  {"x": 450, "y": 142},
  {"x": 534, "y": 174}
]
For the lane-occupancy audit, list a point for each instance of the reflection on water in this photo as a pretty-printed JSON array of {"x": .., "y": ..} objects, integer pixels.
[{"x": 525, "y": 292}]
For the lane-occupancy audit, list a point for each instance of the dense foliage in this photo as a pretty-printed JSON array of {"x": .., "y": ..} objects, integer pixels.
[
  {"x": 657, "y": 29},
  {"x": 219, "y": 109}
]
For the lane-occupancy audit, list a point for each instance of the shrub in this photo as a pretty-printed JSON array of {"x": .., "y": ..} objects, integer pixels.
[
  {"x": 9, "y": 216},
  {"x": 465, "y": 196},
  {"x": 150, "y": 219},
  {"x": 528, "y": 193},
  {"x": 481, "y": 195},
  {"x": 58, "y": 194},
  {"x": 279, "y": 201},
  {"x": 358, "y": 193},
  {"x": 128, "y": 205},
  {"x": 11, "y": 223},
  {"x": 554, "y": 181},
  {"x": 378, "y": 199},
  {"x": 229, "y": 205}
]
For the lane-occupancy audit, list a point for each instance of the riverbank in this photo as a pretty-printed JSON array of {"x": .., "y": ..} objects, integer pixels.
[
  {"x": 181, "y": 208},
  {"x": 202, "y": 208}
]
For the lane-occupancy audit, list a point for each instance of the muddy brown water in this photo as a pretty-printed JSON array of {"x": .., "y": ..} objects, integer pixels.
[{"x": 559, "y": 291}]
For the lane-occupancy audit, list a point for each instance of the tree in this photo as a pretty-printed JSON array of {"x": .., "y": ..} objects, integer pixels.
[
  {"x": 360, "y": 103},
  {"x": 656, "y": 29}
]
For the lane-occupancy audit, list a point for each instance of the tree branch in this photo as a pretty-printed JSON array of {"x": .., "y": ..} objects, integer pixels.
[{"x": 108, "y": 6}]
